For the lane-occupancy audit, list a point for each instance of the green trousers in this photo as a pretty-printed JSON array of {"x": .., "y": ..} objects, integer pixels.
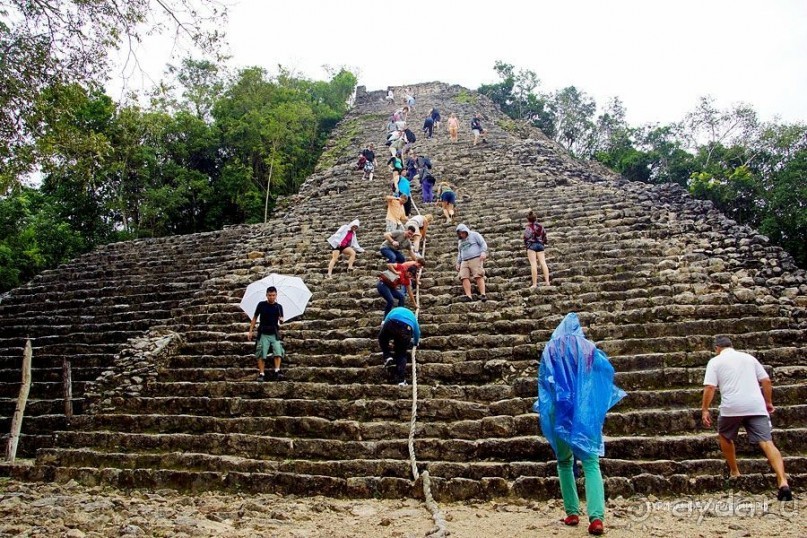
[{"x": 595, "y": 491}]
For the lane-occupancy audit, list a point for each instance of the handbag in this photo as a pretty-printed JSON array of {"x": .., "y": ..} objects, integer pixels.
[{"x": 389, "y": 277}]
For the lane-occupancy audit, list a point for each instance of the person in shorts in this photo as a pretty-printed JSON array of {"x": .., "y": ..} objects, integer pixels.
[
  {"x": 344, "y": 241},
  {"x": 270, "y": 313},
  {"x": 535, "y": 243},
  {"x": 471, "y": 256},
  {"x": 739, "y": 376},
  {"x": 476, "y": 129}
]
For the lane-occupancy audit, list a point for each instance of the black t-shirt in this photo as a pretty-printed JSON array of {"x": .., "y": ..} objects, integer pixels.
[
  {"x": 369, "y": 155},
  {"x": 269, "y": 314}
]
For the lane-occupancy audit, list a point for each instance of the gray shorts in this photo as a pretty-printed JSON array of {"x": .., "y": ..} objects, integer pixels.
[{"x": 758, "y": 427}]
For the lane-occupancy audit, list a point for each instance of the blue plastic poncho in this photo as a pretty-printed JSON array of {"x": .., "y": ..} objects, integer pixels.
[{"x": 575, "y": 390}]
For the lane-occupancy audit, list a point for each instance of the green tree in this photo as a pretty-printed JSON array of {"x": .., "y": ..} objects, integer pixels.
[{"x": 46, "y": 43}]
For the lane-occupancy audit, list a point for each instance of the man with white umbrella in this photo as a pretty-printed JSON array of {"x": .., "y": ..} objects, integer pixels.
[{"x": 270, "y": 313}]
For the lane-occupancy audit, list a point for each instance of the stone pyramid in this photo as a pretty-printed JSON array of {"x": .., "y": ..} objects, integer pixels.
[{"x": 164, "y": 389}]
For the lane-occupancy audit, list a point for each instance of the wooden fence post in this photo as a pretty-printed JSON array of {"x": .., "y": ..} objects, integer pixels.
[
  {"x": 16, "y": 421},
  {"x": 67, "y": 380}
]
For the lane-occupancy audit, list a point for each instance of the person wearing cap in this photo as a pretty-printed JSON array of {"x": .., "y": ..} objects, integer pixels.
[
  {"x": 471, "y": 255},
  {"x": 344, "y": 241}
]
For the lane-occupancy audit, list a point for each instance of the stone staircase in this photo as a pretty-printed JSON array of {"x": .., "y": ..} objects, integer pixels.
[{"x": 653, "y": 274}]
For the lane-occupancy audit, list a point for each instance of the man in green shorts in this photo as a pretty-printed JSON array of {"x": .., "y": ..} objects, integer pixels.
[{"x": 270, "y": 313}]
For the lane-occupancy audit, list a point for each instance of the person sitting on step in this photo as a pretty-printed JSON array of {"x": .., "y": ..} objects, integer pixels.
[
  {"x": 399, "y": 332},
  {"x": 270, "y": 313},
  {"x": 344, "y": 241}
]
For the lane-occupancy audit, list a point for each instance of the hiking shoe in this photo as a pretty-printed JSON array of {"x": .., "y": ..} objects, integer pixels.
[
  {"x": 784, "y": 494},
  {"x": 466, "y": 299},
  {"x": 279, "y": 376},
  {"x": 596, "y": 527},
  {"x": 571, "y": 520},
  {"x": 483, "y": 298},
  {"x": 261, "y": 377},
  {"x": 403, "y": 383}
]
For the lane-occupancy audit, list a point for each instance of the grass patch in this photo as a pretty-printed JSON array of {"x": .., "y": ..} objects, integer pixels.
[{"x": 466, "y": 98}]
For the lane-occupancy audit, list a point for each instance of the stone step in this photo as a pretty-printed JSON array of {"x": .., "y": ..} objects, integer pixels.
[
  {"x": 691, "y": 446},
  {"x": 83, "y": 457},
  {"x": 660, "y": 422},
  {"x": 456, "y": 489}
]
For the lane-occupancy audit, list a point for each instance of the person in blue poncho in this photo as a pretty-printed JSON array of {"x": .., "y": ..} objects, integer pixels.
[{"x": 575, "y": 390}]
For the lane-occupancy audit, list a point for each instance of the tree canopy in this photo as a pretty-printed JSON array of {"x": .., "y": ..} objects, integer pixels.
[
  {"x": 754, "y": 171},
  {"x": 45, "y": 43},
  {"x": 209, "y": 151}
]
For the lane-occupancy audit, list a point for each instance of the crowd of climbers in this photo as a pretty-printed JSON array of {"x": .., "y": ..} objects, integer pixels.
[{"x": 743, "y": 404}]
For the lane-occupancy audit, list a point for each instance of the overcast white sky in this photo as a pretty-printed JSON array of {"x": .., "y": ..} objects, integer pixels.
[{"x": 658, "y": 57}]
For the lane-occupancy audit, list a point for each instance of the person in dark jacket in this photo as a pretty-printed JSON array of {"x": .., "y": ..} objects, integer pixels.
[
  {"x": 476, "y": 129},
  {"x": 428, "y": 127}
]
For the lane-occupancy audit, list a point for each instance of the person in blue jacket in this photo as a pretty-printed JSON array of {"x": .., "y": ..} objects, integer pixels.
[
  {"x": 401, "y": 330},
  {"x": 575, "y": 390}
]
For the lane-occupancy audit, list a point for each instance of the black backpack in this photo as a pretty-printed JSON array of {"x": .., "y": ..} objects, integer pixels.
[{"x": 410, "y": 136}]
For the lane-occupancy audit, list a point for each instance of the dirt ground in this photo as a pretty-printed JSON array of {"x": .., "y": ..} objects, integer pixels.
[{"x": 73, "y": 511}]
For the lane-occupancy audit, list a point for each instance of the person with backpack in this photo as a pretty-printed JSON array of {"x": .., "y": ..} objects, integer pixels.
[
  {"x": 410, "y": 139},
  {"x": 423, "y": 164},
  {"x": 476, "y": 129},
  {"x": 435, "y": 116},
  {"x": 428, "y": 126},
  {"x": 400, "y": 328},
  {"x": 535, "y": 241},
  {"x": 369, "y": 162},
  {"x": 575, "y": 391},
  {"x": 401, "y": 275}
]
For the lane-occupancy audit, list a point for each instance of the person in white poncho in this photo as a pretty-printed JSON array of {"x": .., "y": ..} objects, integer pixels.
[{"x": 344, "y": 241}]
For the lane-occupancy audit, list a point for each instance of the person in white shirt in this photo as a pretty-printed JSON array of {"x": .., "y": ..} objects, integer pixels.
[{"x": 738, "y": 376}]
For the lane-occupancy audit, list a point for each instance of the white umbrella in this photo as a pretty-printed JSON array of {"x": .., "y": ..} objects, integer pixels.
[{"x": 292, "y": 294}]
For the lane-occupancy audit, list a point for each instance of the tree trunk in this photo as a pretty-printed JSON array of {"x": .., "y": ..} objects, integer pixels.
[
  {"x": 16, "y": 421},
  {"x": 67, "y": 380}
]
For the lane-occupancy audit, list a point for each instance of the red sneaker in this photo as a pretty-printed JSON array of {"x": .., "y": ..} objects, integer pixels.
[
  {"x": 596, "y": 527},
  {"x": 571, "y": 520}
]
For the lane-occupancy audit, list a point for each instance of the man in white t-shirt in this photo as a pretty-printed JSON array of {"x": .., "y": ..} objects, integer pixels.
[{"x": 742, "y": 403}]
